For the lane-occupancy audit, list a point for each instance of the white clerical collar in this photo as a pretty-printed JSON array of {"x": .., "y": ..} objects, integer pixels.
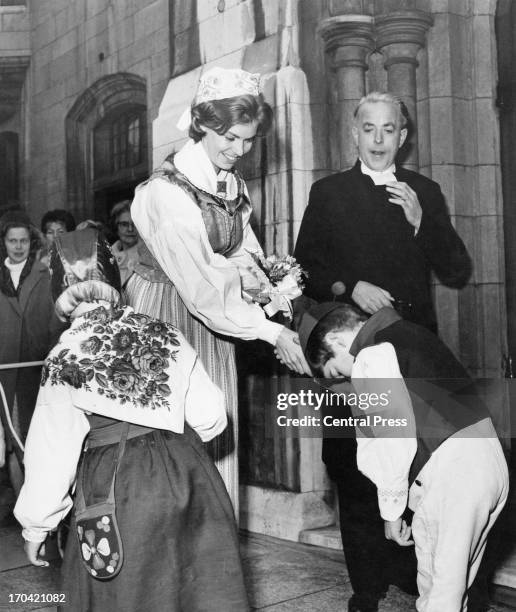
[{"x": 379, "y": 178}]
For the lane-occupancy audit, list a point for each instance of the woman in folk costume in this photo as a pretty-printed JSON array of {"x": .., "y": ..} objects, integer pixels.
[
  {"x": 193, "y": 215},
  {"x": 152, "y": 526}
]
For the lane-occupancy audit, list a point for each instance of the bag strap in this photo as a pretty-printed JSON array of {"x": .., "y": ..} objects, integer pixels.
[{"x": 81, "y": 502}]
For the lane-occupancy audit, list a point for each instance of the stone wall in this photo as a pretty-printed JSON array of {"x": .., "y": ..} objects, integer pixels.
[
  {"x": 74, "y": 44},
  {"x": 14, "y": 31},
  {"x": 14, "y": 59},
  {"x": 460, "y": 148}
]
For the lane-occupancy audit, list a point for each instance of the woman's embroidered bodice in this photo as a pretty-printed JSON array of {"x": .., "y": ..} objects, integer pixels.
[{"x": 222, "y": 217}]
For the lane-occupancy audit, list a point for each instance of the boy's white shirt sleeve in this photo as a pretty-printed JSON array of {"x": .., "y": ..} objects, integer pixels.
[
  {"x": 209, "y": 284},
  {"x": 52, "y": 452},
  {"x": 386, "y": 461}
]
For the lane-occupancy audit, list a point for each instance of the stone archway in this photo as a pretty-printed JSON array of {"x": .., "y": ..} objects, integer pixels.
[{"x": 106, "y": 97}]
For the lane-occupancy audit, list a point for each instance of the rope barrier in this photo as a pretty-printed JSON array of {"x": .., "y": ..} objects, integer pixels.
[
  {"x": 10, "y": 366},
  {"x": 21, "y": 364}
]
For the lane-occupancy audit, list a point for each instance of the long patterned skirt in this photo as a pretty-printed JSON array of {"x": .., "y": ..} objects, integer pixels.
[{"x": 162, "y": 301}]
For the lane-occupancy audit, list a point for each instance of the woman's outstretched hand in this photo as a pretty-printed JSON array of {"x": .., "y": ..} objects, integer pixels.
[
  {"x": 33, "y": 550},
  {"x": 288, "y": 351}
]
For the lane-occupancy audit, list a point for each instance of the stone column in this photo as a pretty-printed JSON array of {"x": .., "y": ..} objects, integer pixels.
[
  {"x": 348, "y": 40},
  {"x": 399, "y": 36}
]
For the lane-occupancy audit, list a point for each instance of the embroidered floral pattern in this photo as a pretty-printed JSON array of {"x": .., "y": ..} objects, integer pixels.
[
  {"x": 96, "y": 549},
  {"x": 125, "y": 358},
  {"x": 394, "y": 496}
]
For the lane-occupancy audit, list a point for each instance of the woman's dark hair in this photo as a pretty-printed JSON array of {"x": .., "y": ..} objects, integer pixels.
[
  {"x": 318, "y": 351},
  {"x": 58, "y": 215},
  {"x": 221, "y": 115}
]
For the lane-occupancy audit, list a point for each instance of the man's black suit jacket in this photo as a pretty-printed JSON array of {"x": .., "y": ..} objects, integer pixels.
[{"x": 350, "y": 232}]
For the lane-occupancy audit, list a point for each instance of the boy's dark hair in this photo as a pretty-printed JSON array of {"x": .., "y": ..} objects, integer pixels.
[
  {"x": 318, "y": 351},
  {"x": 221, "y": 115},
  {"x": 58, "y": 215}
]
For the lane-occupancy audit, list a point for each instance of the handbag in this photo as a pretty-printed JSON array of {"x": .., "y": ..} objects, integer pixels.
[{"x": 100, "y": 544}]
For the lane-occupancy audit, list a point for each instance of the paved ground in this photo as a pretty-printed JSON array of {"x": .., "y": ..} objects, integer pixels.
[{"x": 281, "y": 576}]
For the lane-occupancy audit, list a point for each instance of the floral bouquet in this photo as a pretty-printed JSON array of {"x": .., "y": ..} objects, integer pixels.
[{"x": 282, "y": 281}]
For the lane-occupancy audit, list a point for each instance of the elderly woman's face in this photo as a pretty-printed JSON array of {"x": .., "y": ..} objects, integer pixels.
[
  {"x": 126, "y": 230},
  {"x": 17, "y": 244},
  {"x": 226, "y": 149}
]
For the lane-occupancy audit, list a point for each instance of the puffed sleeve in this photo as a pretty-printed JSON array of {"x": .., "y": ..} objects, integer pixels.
[
  {"x": 52, "y": 452},
  {"x": 386, "y": 451},
  {"x": 209, "y": 284}
]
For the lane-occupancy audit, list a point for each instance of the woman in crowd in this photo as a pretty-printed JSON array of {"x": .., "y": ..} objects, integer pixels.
[
  {"x": 193, "y": 215},
  {"x": 54, "y": 223},
  {"x": 125, "y": 248},
  {"x": 29, "y": 328},
  {"x": 136, "y": 391}
]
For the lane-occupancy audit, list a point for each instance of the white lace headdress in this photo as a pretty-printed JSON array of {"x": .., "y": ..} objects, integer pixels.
[{"x": 219, "y": 83}]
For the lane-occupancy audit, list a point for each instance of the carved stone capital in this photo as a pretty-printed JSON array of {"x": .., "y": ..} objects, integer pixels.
[
  {"x": 401, "y": 34},
  {"x": 348, "y": 38}
]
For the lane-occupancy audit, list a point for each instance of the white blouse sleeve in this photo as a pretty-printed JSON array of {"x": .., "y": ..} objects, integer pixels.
[
  {"x": 52, "y": 452},
  {"x": 386, "y": 453},
  {"x": 209, "y": 284},
  {"x": 204, "y": 405}
]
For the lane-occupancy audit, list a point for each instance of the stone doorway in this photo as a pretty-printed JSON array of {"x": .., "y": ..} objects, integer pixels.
[{"x": 107, "y": 145}]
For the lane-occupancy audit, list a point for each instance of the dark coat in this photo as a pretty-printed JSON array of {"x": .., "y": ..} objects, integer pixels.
[
  {"x": 29, "y": 328},
  {"x": 350, "y": 232}
]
